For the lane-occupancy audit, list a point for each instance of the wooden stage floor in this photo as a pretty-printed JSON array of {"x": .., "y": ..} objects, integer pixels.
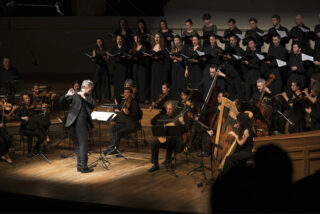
[{"x": 126, "y": 184}]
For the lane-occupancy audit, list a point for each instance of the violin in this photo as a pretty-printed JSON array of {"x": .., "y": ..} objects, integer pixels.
[
  {"x": 4, "y": 106},
  {"x": 160, "y": 99},
  {"x": 127, "y": 103}
]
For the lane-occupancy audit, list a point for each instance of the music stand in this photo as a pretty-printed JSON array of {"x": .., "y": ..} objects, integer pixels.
[
  {"x": 167, "y": 131},
  {"x": 101, "y": 117}
]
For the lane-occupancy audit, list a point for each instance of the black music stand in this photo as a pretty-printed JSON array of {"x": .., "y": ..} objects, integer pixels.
[
  {"x": 101, "y": 158},
  {"x": 167, "y": 131}
]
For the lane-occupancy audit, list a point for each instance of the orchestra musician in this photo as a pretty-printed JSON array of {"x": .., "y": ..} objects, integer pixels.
[
  {"x": 314, "y": 110},
  {"x": 171, "y": 143},
  {"x": 127, "y": 121}
]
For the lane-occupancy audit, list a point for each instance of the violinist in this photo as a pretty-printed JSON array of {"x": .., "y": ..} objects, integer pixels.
[
  {"x": 24, "y": 113},
  {"x": 296, "y": 112},
  {"x": 159, "y": 103},
  {"x": 314, "y": 110},
  {"x": 127, "y": 121},
  {"x": 244, "y": 139},
  {"x": 127, "y": 84},
  {"x": 41, "y": 103}
]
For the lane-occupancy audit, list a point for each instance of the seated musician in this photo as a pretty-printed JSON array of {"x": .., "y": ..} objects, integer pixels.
[
  {"x": 5, "y": 139},
  {"x": 29, "y": 127},
  {"x": 261, "y": 86},
  {"x": 171, "y": 142},
  {"x": 314, "y": 110},
  {"x": 164, "y": 97},
  {"x": 296, "y": 112},
  {"x": 127, "y": 84},
  {"x": 8, "y": 73},
  {"x": 127, "y": 121},
  {"x": 208, "y": 78},
  {"x": 244, "y": 139},
  {"x": 43, "y": 102}
]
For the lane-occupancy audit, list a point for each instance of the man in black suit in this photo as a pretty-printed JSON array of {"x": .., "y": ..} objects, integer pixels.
[{"x": 79, "y": 117}]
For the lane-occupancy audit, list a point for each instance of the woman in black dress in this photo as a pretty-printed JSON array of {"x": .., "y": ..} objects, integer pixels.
[
  {"x": 207, "y": 29},
  {"x": 159, "y": 74},
  {"x": 125, "y": 32},
  {"x": 101, "y": 78},
  {"x": 194, "y": 69},
  {"x": 167, "y": 33},
  {"x": 144, "y": 33},
  {"x": 188, "y": 34},
  {"x": 178, "y": 68},
  {"x": 140, "y": 71},
  {"x": 120, "y": 54}
]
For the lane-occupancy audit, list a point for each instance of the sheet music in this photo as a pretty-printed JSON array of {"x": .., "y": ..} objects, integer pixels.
[
  {"x": 305, "y": 30},
  {"x": 103, "y": 116},
  {"x": 260, "y": 34},
  {"x": 184, "y": 56},
  {"x": 237, "y": 57},
  {"x": 200, "y": 53},
  {"x": 282, "y": 33},
  {"x": 88, "y": 55},
  {"x": 260, "y": 56},
  {"x": 240, "y": 36},
  {"x": 306, "y": 57},
  {"x": 281, "y": 63},
  {"x": 174, "y": 34}
]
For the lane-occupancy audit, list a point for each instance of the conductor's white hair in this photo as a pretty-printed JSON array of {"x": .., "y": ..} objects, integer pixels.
[
  {"x": 86, "y": 83},
  {"x": 260, "y": 80}
]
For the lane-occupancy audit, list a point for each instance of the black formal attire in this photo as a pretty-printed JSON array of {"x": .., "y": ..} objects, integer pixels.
[
  {"x": 231, "y": 32},
  {"x": 160, "y": 106},
  {"x": 171, "y": 144},
  {"x": 79, "y": 117},
  {"x": 159, "y": 73},
  {"x": 120, "y": 71},
  {"x": 128, "y": 37},
  {"x": 207, "y": 32},
  {"x": 273, "y": 31},
  {"x": 300, "y": 73},
  {"x": 213, "y": 56},
  {"x": 303, "y": 38},
  {"x": 240, "y": 155},
  {"x": 6, "y": 78},
  {"x": 315, "y": 115},
  {"x": 233, "y": 73},
  {"x": 125, "y": 124},
  {"x": 317, "y": 46},
  {"x": 297, "y": 115},
  {"x": 167, "y": 35},
  {"x": 206, "y": 82},
  {"x": 187, "y": 37},
  {"x": 30, "y": 128},
  {"x": 195, "y": 70},
  {"x": 178, "y": 80},
  {"x": 101, "y": 77},
  {"x": 254, "y": 34},
  {"x": 252, "y": 72},
  {"x": 5, "y": 139},
  {"x": 280, "y": 53},
  {"x": 140, "y": 73}
]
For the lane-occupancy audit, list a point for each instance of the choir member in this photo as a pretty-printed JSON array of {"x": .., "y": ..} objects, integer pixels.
[
  {"x": 193, "y": 70},
  {"x": 188, "y": 33},
  {"x": 314, "y": 110},
  {"x": 317, "y": 45},
  {"x": 125, "y": 32},
  {"x": 144, "y": 33},
  {"x": 178, "y": 68},
  {"x": 159, "y": 73},
  {"x": 212, "y": 53},
  {"x": 140, "y": 68},
  {"x": 252, "y": 68},
  {"x": 232, "y": 30},
  {"x": 276, "y": 51},
  {"x": 255, "y": 32},
  {"x": 297, "y": 69},
  {"x": 208, "y": 29},
  {"x": 298, "y": 35},
  {"x": 275, "y": 19},
  {"x": 120, "y": 72},
  {"x": 233, "y": 68},
  {"x": 166, "y": 33},
  {"x": 101, "y": 78}
]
